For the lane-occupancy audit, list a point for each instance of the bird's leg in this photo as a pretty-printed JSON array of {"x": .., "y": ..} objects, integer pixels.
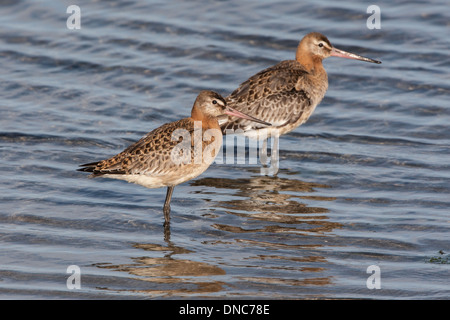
[
  {"x": 166, "y": 209},
  {"x": 274, "y": 155},
  {"x": 263, "y": 153}
]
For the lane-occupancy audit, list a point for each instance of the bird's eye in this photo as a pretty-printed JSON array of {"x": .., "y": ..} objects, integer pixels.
[
  {"x": 214, "y": 101},
  {"x": 320, "y": 45}
]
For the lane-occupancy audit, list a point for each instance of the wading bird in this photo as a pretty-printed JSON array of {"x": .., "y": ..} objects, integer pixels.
[
  {"x": 173, "y": 153},
  {"x": 287, "y": 93}
]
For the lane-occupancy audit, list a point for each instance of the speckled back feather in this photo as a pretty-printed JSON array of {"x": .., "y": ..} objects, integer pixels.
[
  {"x": 273, "y": 94},
  {"x": 151, "y": 155}
]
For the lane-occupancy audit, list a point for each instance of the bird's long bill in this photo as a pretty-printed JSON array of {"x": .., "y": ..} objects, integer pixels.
[
  {"x": 344, "y": 54},
  {"x": 233, "y": 112}
]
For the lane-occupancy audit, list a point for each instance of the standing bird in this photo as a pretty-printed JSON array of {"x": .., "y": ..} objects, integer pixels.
[
  {"x": 173, "y": 153},
  {"x": 287, "y": 93}
]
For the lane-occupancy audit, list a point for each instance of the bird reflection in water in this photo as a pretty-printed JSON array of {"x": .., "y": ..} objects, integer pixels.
[
  {"x": 274, "y": 200},
  {"x": 168, "y": 275},
  {"x": 281, "y": 238}
]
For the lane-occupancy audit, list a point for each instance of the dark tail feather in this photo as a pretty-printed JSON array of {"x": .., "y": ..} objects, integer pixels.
[{"x": 88, "y": 167}]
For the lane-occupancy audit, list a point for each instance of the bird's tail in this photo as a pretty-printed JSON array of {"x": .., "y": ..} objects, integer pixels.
[{"x": 90, "y": 167}]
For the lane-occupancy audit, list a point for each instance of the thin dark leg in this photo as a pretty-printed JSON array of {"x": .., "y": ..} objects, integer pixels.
[
  {"x": 263, "y": 153},
  {"x": 166, "y": 211},
  {"x": 168, "y": 198},
  {"x": 274, "y": 156}
]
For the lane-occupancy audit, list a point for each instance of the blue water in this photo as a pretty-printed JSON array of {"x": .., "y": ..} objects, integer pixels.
[{"x": 366, "y": 181}]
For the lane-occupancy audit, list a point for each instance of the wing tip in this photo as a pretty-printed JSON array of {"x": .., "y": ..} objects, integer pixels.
[{"x": 89, "y": 167}]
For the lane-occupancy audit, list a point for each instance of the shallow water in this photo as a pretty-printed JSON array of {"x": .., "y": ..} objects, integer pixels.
[{"x": 366, "y": 181}]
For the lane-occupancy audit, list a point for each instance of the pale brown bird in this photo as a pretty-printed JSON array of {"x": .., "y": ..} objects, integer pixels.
[
  {"x": 173, "y": 153},
  {"x": 287, "y": 93}
]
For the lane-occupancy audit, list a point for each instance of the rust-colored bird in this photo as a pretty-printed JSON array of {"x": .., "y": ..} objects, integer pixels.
[
  {"x": 173, "y": 153},
  {"x": 287, "y": 93}
]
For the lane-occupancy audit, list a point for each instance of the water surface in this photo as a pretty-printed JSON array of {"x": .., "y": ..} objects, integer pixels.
[{"x": 366, "y": 181}]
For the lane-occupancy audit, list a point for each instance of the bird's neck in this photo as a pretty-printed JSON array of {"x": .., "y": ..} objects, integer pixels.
[
  {"x": 311, "y": 63},
  {"x": 208, "y": 122}
]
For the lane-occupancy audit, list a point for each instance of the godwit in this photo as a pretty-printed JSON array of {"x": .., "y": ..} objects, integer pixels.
[
  {"x": 161, "y": 159},
  {"x": 287, "y": 93}
]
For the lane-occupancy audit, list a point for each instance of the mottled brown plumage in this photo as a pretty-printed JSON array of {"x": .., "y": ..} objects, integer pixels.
[
  {"x": 287, "y": 93},
  {"x": 173, "y": 153},
  {"x": 151, "y": 155}
]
